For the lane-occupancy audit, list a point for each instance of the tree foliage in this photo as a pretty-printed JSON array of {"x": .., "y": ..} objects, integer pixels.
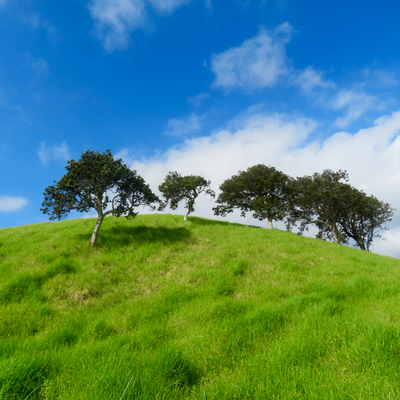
[
  {"x": 364, "y": 217},
  {"x": 318, "y": 200},
  {"x": 97, "y": 181},
  {"x": 176, "y": 188},
  {"x": 339, "y": 211},
  {"x": 263, "y": 190}
]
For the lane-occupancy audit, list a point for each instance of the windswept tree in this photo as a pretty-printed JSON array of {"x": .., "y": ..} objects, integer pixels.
[
  {"x": 363, "y": 218},
  {"x": 339, "y": 211},
  {"x": 176, "y": 188},
  {"x": 263, "y": 190},
  {"x": 319, "y": 200},
  {"x": 99, "y": 182}
]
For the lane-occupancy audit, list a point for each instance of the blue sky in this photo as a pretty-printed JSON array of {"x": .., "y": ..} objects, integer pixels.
[{"x": 201, "y": 87}]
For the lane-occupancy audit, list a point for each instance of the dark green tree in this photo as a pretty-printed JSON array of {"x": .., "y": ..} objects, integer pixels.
[
  {"x": 176, "y": 188},
  {"x": 263, "y": 190},
  {"x": 339, "y": 211},
  {"x": 319, "y": 200},
  {"x": 363, "y": 218},
  {"x": 99, "y": 182}
]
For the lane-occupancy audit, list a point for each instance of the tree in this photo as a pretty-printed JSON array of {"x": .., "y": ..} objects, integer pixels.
[
  {"x": 318, "y": 200},
  {"x": 339, "y": 211},
  {"x": 176, "y": 188},
  {"x": 363, "y": 218},
  {"x": 262, "y": 190},
  {"x": 99, "y": 182}
]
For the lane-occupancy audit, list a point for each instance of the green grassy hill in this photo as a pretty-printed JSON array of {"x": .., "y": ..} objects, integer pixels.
[{"x": 167, "y": 309}]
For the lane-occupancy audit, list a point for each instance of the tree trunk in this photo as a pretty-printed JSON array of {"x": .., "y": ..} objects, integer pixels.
[
  {"x": 335, "y": 236},
  {"x": 96, "y": 229},
  {"x": 186, "y": 215},
  {"x": 270, "y": 226},
  {"x": 333, "y": 229},
  {"x": 361, "y": 244}
]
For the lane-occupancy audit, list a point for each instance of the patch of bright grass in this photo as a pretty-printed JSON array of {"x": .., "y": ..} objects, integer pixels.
[{"x": 167, "y": 309}]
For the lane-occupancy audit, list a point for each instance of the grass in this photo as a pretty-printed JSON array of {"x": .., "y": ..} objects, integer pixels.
[{"x": 167, "y": 309}]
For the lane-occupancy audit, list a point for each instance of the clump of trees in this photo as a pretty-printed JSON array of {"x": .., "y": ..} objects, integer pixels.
[
  {"x": 339, "y": 211},
  {"x": 97, "y": 181},
  {"x": 325, "y": 200}
]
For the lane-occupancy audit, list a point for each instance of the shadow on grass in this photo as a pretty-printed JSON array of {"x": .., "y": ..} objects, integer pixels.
[
  {"x": 29, "y": 285},
  {"x": 203, "y": 222},
  {"x": 124, "y": 236}
]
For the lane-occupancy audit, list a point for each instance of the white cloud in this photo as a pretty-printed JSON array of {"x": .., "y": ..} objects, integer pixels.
[
  {"x": 115, "y": 20},
  {"x": 388, "y": 246},
  {"x": 371, "y": 156},
  {"x": 9, "y": 203},
  {"x": 355, "y": 104},
  {"x": 261, "y": 138},
  {"x": 47, "y": 154},
  {"x": 261, "y": 62},
  {"x": 310, "y": 79},
  {"x": 257, "y": 62},
  {"x": 184, "y": 126}
]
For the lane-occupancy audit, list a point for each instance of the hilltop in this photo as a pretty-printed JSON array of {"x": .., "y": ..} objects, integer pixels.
[{"x": 167, "y": 309}]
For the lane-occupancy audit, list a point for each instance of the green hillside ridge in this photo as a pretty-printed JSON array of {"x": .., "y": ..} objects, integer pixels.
[{"x": 167, "y": 309}]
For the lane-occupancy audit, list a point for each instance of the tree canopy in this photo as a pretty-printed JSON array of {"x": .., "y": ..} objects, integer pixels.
[
  {"x": 364, "y": 217},
  {"x": 176, "y": 188},
  {"x": 319, "y": 200},
  {"x": 339, "y": 211},
  {"x": 263, "y": 190},
  {"x": 97, "y": 181}
]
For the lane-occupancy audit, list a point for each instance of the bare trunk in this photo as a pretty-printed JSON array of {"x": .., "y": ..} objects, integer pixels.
[
  {"x": 96, "y": 230},
  {"x": 335, "y": 237},
  {"x": 361, "y": 244},
  {"x": 334, "y": 232},
  {"x": 186, "y": 215},
  {"x": 270, "y": 226}
]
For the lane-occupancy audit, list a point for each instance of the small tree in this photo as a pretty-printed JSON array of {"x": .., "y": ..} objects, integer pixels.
[
  {"x": 99, "y": 182},
  {"x": 263, "y": 190},
  {"x": 176, "y": 188}
]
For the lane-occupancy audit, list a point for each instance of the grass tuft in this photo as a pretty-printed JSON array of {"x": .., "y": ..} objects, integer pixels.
[{"x": 24, "y": 378}]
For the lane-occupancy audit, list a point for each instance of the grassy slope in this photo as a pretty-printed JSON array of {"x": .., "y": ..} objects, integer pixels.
[{"x": 197, "y": 310}]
